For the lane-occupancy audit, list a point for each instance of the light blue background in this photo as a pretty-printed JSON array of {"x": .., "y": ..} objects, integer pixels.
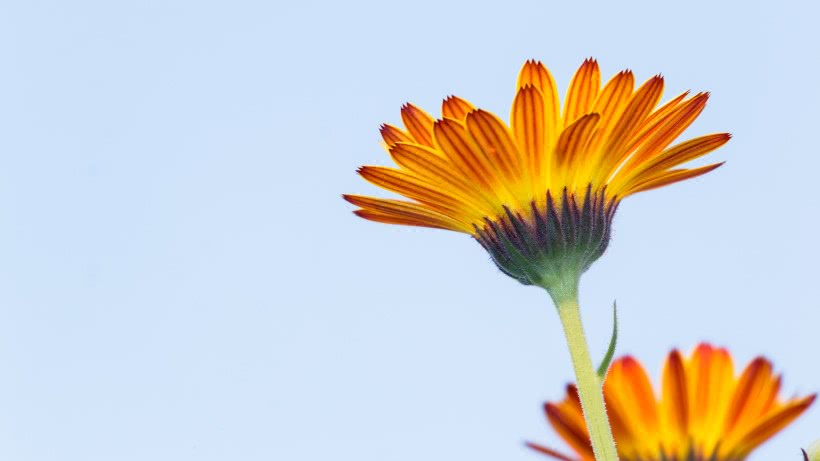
[{"x": 180, "y": 280}]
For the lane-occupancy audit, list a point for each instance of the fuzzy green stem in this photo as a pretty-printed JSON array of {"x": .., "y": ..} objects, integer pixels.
[{"x": 588, "y": 382}]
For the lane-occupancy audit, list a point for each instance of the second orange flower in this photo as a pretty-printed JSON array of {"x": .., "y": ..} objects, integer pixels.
[{"x": 705, "y": 412}]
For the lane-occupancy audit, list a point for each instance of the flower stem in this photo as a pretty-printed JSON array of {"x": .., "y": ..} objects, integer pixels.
[{"x": 589, "y": 385}]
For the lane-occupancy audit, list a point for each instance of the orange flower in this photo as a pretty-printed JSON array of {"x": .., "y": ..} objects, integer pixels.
[
  {"x": 539, "y": 194},
  {"x": 705, "y": 412}
]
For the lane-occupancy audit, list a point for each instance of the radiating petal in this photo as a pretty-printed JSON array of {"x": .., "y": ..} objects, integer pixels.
[
  {"x": 426, "y": 164},
  {"x": 679, "y": 154},
  {"x": 773, "y": 424},
  {"x": 413, "y": 187},
  {"x": 550, "y": 452},
  {"x": 666, "y": 130},
  {"x": 670, "y": 177},
  {"x": 675, "y": 399},
  {"x": 527, "y": 121},
  {"x": 564, "y": 419},
  {"x": 632, "y": 401},
  {"x": 534, "y": 74},
  {"x": 582, "y": 91},
  {"x": 465, "y": 154},
  {"x": 392, "y": 135},
  {"x": 610, "y": 105},
  {"x": 418, "y": 123},
  {"x": 710, "y": 385},
  {"x": 662, "y": 112},
  {"x": 495, "y": 139},
  {"x": 572, "y": 144},
  {"x": 570, "y": 151},
  {"x": 401, "y": 212},
  {"x": 755, "y": 378},
  {"x": 390, "y": 218},
  {"x": 630, "y": 120},
  {"x": 456, "y": 108}
]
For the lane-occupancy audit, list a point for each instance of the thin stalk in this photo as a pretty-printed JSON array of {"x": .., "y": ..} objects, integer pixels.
[{"x": 588, "y": 382}]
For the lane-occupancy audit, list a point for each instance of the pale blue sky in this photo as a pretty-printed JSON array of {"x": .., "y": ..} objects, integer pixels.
[{"x": 180, "y": 280}]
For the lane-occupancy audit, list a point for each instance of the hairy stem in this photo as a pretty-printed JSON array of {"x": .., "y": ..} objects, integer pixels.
[{"x": 588, "y": 382}]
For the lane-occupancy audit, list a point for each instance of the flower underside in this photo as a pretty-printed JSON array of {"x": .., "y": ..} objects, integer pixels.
[
  {"x": 520, "y": 189},
  {"x": 705, "y": 412},
  {"x": 554, "y": 241}
]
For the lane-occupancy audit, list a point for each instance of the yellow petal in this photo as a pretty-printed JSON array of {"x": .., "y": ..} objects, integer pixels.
[
  {"x": 494, "y": 138},
  {"x": 550, "y": 452},
  {"x": 413, "y": 187},
  {"x": 679, "y": 154},
  {"x": 610, "y": 104},
  {"x": 497, "y": 143},
  {"x": 582, "y": 91},
  {"x": 528, "y": 124},
  {"x": 773, "y": 424},
  {"x": 755, "y": 379},
  {"x": 400, "y": 212},
  {"x": 663, "y": 111},
  {"x": 629, "y": 392},
  {"x": 666, "y": 130},
  {"x": 418, "y": 123},
  {"x": 456, "y": 108},
  {"x": 571, "y": 151},
  {"x": 630, "y": 120},
  {"x": 669, "y": 177},
  {"x": 428, "y": 165},
  {"x": 392, "y": 135},
  {"x": 452, "y": 139},
  {"x": 675, "y": 400},
  {"x": 391, "y": 218},
  {"x": 710, "y": 385},
  {"x": 534, "y": 74},
  {"x": 568, "y": 421}
]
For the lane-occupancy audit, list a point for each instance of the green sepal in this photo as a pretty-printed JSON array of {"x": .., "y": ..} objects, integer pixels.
[
  {"x": 613, "y": 341},
  {"x": 520, "y": 261}
]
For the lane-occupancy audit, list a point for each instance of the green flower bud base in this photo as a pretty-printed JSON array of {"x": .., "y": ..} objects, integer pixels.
[{"x": 552, "y": 244}]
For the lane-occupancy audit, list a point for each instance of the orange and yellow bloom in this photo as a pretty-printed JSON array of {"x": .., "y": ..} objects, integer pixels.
[
  {"x": 539, "y": 194},
  {"x": 705, "y": 412}
]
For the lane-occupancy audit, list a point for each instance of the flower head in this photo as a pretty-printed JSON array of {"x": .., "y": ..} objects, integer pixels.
[
  {"x": 538, "y": 194},
  {"x": 705, "y": 412}
]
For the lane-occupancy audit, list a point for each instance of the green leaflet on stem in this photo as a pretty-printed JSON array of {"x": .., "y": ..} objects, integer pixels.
[{"x": 613, "y": 342}]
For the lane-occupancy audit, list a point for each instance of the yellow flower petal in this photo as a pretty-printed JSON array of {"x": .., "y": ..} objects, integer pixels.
[
  {"x": 400, "y": 212},
  {"x": 534, "y": 74},
  {"x": 418, "y": 123},
  {"x": 528, "y": 123},
  {"x": 391, "y": 135},
  {"x": 456, "y": 108},
  {"x": 583, "y": 90}
]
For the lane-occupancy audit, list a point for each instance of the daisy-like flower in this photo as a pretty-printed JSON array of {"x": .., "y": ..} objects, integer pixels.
[
  {"x": 538, "y": 194},
  {"x": 705, "y": 412}
]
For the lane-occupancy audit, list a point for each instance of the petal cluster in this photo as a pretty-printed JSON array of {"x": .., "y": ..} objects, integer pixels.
[
  {"x": 470, "y": 167},
  {"x": 704, "y": 410}
]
